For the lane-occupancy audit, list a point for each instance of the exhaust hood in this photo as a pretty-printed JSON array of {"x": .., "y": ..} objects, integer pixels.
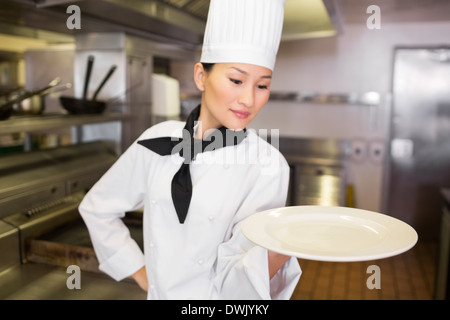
[
  {"x": 302, "y": 19},
  {"x": 170, "y": 21}
]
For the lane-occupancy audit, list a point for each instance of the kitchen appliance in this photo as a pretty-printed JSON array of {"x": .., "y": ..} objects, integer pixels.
[
  {"x": 419, "y": 160},
  {"x": 318, "y": 170},
  {"x": 41, "y": 231}
]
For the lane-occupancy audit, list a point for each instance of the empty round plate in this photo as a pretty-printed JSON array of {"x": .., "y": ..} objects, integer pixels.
[{"x": 329, "y": 233}]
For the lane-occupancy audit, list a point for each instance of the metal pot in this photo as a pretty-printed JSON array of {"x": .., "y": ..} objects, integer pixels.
[
  {"x": 35, "y": 104},
  {"x": 32, "y": 105},
  {"x": 7, "y": 108}
]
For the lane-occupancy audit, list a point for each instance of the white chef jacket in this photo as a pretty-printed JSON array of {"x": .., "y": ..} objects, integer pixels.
[{"x": 206, "y": 257}]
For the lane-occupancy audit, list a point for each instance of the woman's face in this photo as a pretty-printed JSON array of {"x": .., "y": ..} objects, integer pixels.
[{"x": 233, "y": 93}]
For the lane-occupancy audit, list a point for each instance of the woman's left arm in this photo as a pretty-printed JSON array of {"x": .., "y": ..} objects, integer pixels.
[
  {"x": 276, "y": 262},
  {"x": 245, "y": 270},
  {"x": 120, "y": 189}
]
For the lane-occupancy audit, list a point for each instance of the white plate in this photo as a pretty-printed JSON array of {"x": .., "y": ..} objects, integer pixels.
[{"x": 329, "y": 233}]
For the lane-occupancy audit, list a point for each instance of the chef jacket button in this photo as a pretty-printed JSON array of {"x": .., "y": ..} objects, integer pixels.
[
  {"x": 211, "y": 218},
  {"x": 200, "y": 261},
  {"x": 152, "y": 286},
  {"x": 153, "y": 201},
  {"x": 151, "y": 244}
]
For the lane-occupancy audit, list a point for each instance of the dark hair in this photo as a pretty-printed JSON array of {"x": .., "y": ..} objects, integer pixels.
[{"x": 208, "y": 66}]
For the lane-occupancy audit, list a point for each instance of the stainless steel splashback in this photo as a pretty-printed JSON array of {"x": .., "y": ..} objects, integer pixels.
[{"x": 326, "y": 151}]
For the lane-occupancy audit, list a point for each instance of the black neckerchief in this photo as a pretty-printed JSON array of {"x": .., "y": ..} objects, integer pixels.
[{"x": 188, "y": 147}]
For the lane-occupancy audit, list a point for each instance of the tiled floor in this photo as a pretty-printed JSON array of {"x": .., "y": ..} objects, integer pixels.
[{"x": 408, "y": 276}]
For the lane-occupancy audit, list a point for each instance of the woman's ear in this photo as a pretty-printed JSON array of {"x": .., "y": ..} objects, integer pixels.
[{"x": 199, "y": 76}]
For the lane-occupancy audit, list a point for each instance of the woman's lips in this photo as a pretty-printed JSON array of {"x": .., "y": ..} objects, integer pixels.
[{"x": 241, "y": 114}]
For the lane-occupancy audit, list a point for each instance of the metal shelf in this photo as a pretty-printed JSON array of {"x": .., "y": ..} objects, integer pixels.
[
  {"x": 55, "y": 121},
  {"x": 370, "y": 98},
  {"x": 48, "y": 122}
]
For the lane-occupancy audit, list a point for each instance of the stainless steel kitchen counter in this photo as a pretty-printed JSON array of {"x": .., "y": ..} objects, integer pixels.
[
  {"x": 45, "y": 279},
  {"x": 33, "y": 281}
]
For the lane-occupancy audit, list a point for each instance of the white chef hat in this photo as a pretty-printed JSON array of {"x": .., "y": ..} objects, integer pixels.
[{"x": 243, "y": 31}]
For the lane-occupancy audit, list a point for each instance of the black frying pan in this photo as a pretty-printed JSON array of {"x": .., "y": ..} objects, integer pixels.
[{"x": 85, "y": 106}]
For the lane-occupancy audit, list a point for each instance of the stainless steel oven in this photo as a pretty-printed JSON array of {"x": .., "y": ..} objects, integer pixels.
[
  {"x": 318, "y": 170},
  {"x": 41, "y": 231}
]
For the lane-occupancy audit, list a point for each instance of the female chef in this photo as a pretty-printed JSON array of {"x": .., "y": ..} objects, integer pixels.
[{"x": 196, "y": 189}]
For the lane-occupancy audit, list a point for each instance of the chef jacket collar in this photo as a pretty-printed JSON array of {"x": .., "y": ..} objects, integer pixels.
[{"x": 188, "y": 148}]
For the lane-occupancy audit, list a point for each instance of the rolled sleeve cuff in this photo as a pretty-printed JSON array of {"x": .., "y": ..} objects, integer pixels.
[
  {"x": 124, "y": 262},
  {"x": 257, "y": 271}
]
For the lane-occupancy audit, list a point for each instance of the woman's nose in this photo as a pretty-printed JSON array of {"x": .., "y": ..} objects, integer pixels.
[{"x": 247, "y": 96}]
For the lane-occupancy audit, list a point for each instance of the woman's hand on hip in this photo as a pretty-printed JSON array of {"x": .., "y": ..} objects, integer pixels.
[{"x": 140, "y": 277}]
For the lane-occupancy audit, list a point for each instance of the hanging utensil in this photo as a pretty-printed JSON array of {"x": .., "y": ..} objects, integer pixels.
[
  {"x": 106, "y": 78},
  {"x": 87, "y": 76}
]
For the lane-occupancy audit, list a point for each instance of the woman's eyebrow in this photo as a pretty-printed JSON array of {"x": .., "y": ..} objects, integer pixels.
[{"x": 246, "y": 73}]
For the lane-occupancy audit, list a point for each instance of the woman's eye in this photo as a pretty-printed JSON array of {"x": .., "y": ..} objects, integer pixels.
[
  {"x": 262, "y": 87},
  {"x": 235, "y": 81}
]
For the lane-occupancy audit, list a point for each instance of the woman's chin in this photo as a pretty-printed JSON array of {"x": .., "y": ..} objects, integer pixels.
[{"x": 237, "y": 124}]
